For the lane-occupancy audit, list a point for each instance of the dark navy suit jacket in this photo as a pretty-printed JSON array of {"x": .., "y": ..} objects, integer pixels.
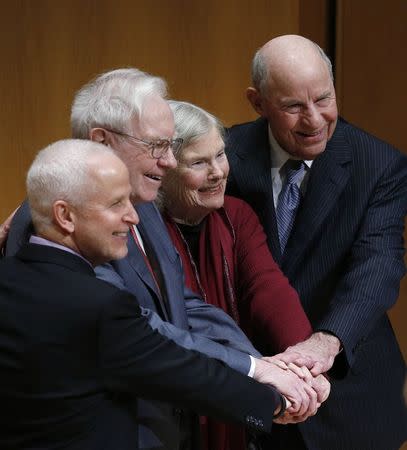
[
  {"x": 345, "y": 258},
  {"x": 185, "y": 318},
  {"x": 75, "y": 352}
]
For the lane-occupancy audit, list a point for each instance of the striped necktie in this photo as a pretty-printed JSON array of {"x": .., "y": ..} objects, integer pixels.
[{"x": 289, "y": 199}]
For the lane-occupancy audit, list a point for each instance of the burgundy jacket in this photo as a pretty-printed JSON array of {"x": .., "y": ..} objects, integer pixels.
[{"x": 238, "y": 274}]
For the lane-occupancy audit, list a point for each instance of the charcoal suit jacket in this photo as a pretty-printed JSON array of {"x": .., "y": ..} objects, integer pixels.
[
  {"x": 75, "y": 352},
  {"x": 345, "y": 258},
  {"x": 181, "y": 315}
]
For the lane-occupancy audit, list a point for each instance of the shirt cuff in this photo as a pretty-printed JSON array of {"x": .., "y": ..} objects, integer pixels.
[{"x": 252, "y": 367}]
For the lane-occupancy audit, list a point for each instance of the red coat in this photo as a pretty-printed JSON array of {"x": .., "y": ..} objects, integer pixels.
[{"x": 238, "y": 274}]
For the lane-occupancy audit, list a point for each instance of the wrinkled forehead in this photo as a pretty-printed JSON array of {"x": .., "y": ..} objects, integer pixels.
[{"x": 294, "y": 77}]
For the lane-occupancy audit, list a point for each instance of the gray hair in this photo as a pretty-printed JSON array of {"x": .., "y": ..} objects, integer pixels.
[
  {"x": 60, "y": 172},
  {"x": 112, "y": 99},
  {"x": 193, "y": 122},
  {"x": 261, "y": 73}
]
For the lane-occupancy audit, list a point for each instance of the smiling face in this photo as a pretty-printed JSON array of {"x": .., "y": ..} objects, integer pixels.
[
  {"x": 197, "y": 186},
  {"x": 302, "y": 114},
  {"x": 101, "y": 223},
  {"x": 298, "y": 98},
  {"x": 146, "y": 173}
]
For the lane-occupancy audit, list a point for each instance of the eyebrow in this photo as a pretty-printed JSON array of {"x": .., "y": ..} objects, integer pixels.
[
  {"x": 325, "y": 94},
  {"x": 286, "y": 101}
]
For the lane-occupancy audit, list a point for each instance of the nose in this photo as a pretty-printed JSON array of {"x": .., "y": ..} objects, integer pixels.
[
  {"x": 312, "y": 116},
  {"x": 131, "y": 217},
  {"x": 215, "y": 171},
  {"x": 168, "y": 160}
]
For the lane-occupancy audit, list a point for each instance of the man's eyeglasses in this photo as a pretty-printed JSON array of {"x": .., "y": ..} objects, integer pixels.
[{"x": 158, "y": 147}]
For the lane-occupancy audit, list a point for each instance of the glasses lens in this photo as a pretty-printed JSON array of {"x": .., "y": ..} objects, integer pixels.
[
  {"x": 159, "y": 148},
  {"x": 176, "y": 144}
]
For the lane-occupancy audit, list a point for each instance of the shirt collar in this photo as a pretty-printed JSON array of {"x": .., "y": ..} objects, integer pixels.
[{"x": 42, "y": 241}]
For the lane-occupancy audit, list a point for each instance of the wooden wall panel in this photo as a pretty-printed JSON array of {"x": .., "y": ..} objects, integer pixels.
[
  {"x": 371, "y": 78},
  {"x": 49, "y": 49},
  {"x": 315, "y": 23},
  {"x": 371, "y": 83},
  {"x": 203, "y": 49}
]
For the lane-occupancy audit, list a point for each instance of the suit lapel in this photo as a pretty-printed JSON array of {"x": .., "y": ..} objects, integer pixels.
[
  {"x": 153, "y": 229},
  {"x": 253, "y": 176},
  {"x": 329, "y": 175},
  {"x": 138, "y": 264}
]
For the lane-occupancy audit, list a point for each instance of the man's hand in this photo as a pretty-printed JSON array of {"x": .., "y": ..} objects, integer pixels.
[
  {"x": 320, "y": 384},
  {"x": 322, "y": 387},
  {"x": 5, "y": 228},
  {"x": 297, "y": 389},
  {"x": 317, "y": 353}
]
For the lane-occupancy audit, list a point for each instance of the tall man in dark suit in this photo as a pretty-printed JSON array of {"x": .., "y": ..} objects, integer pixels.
[
  {"x": 126, "y": 110},
  {"x": 334, "y": 220},
  {"x": 75, "y": 350}
]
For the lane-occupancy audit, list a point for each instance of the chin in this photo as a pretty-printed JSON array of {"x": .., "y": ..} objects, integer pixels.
[
  {"x": 214, "y": 206},
  {"x": 311, "y": 153},
  {"x": 118, "y": 255},
  {"x": 145, "y": 197}
]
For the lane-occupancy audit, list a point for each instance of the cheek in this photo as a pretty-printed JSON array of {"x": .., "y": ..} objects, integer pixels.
[
  {"x": 331, "y": 117},
  {"x": 179, "y": 188},
  {"x": 136, "y": 161},
  {"x": 132, "y": 164},
  {"x": 283, "y": 123},
  {"x": 193, "y": 181},
  {"x": 225, "y": 169},
  {"x": 188, "y": 188}
]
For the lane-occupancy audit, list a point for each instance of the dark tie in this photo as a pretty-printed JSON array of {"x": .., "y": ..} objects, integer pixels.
[{"x": 289, "y": 199}]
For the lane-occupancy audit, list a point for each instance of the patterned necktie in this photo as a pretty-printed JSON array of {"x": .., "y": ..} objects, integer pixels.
[{"x": 289, "y": 199}]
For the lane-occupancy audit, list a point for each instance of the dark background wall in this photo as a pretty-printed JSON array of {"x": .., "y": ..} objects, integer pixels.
[{"x": 203, "y": 49}]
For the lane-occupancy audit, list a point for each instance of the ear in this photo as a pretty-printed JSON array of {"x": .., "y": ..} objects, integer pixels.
[
  {"x": 255, "y": 99},
  {"x": 99, "y": 135},
  {"x": 63, "y": 216}
]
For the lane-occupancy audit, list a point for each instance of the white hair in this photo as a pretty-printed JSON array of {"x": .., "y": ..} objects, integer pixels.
[
  {"x": 112, "y": 99},
  {"x": 60, "y": 172},
  {"x": 192, "y": 122}
]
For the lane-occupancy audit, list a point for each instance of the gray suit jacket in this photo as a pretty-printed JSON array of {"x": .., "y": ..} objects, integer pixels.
[{"x": 182, "y": 315}]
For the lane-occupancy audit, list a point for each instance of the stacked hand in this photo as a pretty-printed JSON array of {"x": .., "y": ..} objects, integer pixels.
[
  {"x": 298, "y": 374},
  {"x": 317, "y": 353}
]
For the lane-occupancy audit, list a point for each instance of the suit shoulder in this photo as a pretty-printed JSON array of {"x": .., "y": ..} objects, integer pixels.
[
  {"x": 147, "y": 208},
  {"x": 244, "y": 126},
  {"x": 239, "y": 127},
  {"x": 369, "y": 144}
]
